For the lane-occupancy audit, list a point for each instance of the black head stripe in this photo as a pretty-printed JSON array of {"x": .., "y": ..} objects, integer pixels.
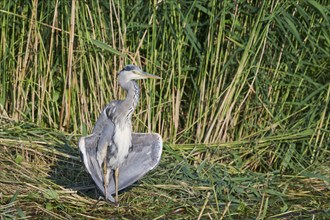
[
  {"x": 130, "y": 67},
  {"x": 108, "y": 112}
]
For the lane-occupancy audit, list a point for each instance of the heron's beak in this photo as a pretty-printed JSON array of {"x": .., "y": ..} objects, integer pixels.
[{"x": 145, "y": 75}]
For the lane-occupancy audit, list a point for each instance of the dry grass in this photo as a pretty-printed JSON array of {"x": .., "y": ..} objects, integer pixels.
[{"x": 42, "y": 177}]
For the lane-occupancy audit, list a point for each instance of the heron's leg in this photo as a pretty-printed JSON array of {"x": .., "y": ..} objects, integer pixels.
[
  {"x": 116, "y": 182},
  {"x": 105, "y": 178}
]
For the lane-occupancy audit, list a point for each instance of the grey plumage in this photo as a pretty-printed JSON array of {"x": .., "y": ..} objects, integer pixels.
[
  {"x": 113, "y": 147},
  {"x": 147, "y": 150}
]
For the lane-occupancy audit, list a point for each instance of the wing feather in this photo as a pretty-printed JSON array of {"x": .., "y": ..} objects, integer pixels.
[
  {"x": 88, "y": 152},
  {"x": 94, "y": 147},
  {"x": 145, "y": 156}
]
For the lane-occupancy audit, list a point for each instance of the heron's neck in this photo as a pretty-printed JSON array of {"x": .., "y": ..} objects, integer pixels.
[{"x": 132, "y": 98}]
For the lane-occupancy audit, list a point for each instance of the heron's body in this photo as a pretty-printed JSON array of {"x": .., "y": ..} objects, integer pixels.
[
  {"x": 120, "y": 115},
  {"x": 123, "y": 141},
  {"x": 111, "y": 146}
]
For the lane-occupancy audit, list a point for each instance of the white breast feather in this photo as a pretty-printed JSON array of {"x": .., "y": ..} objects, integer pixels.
[{"x": 123, "y": 140}]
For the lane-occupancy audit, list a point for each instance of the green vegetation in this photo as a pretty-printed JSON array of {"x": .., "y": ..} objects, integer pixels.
[{"x": 243, "y": 106}]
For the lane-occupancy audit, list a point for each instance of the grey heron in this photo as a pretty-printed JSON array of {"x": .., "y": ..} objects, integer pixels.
[{"x": 113, "y": 147}]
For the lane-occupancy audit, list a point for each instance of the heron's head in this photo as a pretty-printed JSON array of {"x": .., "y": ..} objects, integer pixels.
[{"x": 131, "y": 72}]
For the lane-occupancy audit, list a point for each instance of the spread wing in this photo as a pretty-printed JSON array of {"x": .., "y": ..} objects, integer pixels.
[
  {"x": 88, "y": 153},
  {"x": 93, "y": 149},
  {"x": 145, "y": 156}
]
